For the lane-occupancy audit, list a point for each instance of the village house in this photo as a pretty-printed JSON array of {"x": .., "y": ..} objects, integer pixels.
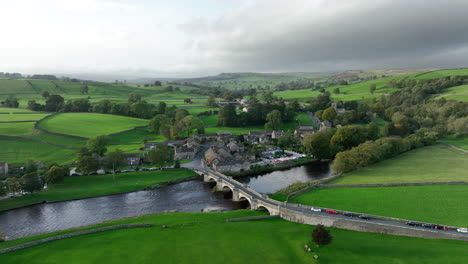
[
  {"x": 230, "y": 165},
  {"x": 302, "y": 130},
  {"x": 134, "y": 159},
  {"x": 3, "y": 168},
  {"x": 325, "y": 125},
  {"x": 338, "y": 111},
  {"x": 185, "y": 152}
]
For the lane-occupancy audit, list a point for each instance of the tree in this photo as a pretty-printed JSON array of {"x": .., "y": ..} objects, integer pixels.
[
  {"x": 31, "y": 182},
  {"x": 321, "y": 236},
  {"x": 180, "y": 114},
  {"x": 115, "y": 160},
  {"x": 185, "y": 127},
  {"x": 156, "y": 123},
  {"x": 30, "y": 166},
  {"x": 227, "y": 116},
  {"x": 157, "y": 83},
  {"x": 372, "y": 88},
  {"x": 54, "y": 103},
  {"x": 45, "y": 94},
  {"x": 2, "y": 188},
  {"x": 55, "y": 174},
  {"x": 187, "y": 100},
  {"x": 12, "y": 185},
  {"x": 134, "y": 98},
  {"x": 162, "y": 108},
  {"x": 347, "y": 137},
  {"x": 84, "y": 89},
  {"x": 373, "y": 131},
  {"x": 318, "y": 144},
  {"x": 87, "y": 164},
  {"x": 97, "y": 145},
  {"x": 211, "y": 102},
  {"x": 273, "y": 120},
  {"x": 161, "y": 156},
  {"x": 336, "y": 91},
  {"x": 329, "y": 114}
]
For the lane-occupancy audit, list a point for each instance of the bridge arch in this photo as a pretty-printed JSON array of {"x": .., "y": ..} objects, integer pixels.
[
  {"x": 228, "y": 192},
  {"x": 263, "y": 208},
  {"x": 245, "y": 201}
]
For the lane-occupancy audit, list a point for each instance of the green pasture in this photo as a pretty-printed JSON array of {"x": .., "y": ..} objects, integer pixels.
[
  {"x": 19, "y": 150},
  {"x": 135, "y": 136},
  {"x": 21, "y": 117},
  {"x": 442, "y": 73},
  {"x": 441, "y": 204},
  {"x": 89, "y": 124},
  {"x": 208, "y": 238},
  {"x": 74, "y": 187},
  {"x": 8, "y": 110},
  {"x": 16, "y": 129},
  {"x": 60, "y": 140},
  {"x": 461, "y": 142},
  {"x": 438, "y": 163}
]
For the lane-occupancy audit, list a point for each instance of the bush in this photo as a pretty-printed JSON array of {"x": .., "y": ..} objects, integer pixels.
[{"x": 321, "y": 236}]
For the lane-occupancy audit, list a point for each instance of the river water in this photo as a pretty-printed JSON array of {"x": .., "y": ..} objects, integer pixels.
[{"x": 191, "y": 196}]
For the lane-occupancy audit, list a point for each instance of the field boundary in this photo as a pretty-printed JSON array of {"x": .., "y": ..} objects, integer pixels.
[
  {"x": 391, "y": 184},
  {"x": 74, "y": 234},
  {"x": 36, "y": 126}
]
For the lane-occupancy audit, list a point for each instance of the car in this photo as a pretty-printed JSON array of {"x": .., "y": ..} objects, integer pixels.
[
  {"x": 462, "y": 230},
  {"x": 316, "y": 209},
  {"x": 411, "y": 223},
  {"x": 330, "y": 211},
  {"x": 349, "y": 214},
  {"x": 365, "y": 217},
  {"x": 447, "y": 228},
  {"x": 428, "y": 225}
]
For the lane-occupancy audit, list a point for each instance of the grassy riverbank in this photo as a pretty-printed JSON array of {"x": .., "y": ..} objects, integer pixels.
[
  {"x": 96, "y": 185},
  {"x": 208, "y": 238},
  {"x": 440, "y": 204}
]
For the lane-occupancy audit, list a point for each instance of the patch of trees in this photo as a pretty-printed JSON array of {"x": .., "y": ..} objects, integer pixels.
[
  {"x": 274, "y": 108},
  {"x": 176, "y": 124},
  {"x": 13, "y": 75},
  {"x": 161, "y": 156},
  {"x": 44, "y": 77},
  {"x": 10, "y": 101},
  {"x": 371, "y": 152}
]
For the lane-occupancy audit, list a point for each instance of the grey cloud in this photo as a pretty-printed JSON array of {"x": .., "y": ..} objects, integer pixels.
[{"x": 335, "y": 35}]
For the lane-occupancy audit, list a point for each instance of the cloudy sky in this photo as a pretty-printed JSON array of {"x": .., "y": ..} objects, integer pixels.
[{"x": 160, "y": 38}]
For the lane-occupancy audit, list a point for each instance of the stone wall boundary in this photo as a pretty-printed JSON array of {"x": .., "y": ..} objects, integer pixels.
[
  {"x": 74, "y": 234},
  {"x": 391, "y": 184},
  {"x": 241, "y": 219}
]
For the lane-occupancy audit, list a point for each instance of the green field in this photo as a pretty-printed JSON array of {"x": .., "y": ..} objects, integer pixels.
[
  {"x": 459, "y": 93},
  {"x": 8, "y": 86},
  {"x": 18, "y": 150},
  {"x": 96, "y": 185},
  {"x": 438, "y": 163},
  {"x": 130, "y": 148},
  {"x": 16, "y": 129},
  {"x": 208, "y": 238},
  {"x": 442, "y": 73},
  {"x": 461, "y": 142},
  {"x": 14, "y": 110},
  {"x": 441, "y": 204},
  {"x": 60, "y": 140},
  {"x": 135, "y": 136},
  {"x": 89, "y": 124},
  {"x": 196, "y": 111},
  {"x": 304, "y": 119},
  {"x": 21, "y": 117},
  {"x": 211, "y": 120}
]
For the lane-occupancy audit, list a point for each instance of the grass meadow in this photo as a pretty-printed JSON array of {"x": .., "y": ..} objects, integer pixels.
[
  {"x": 16, "y": 129},
  {"x": 437, "y": 163},
  {"x": 95, "y": 185},
  {"x": 208, "y": 238},
  {"x": 89, "y": 124},
  {"x": 441, "y": 204},
  {"x": 21, "y": 117},
  {"x": 461, "y": 142},
  {"x": 19, "y": 150}
]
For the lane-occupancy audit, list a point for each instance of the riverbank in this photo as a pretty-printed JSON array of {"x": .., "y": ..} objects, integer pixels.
[
  {"x": 208, "y": 238},
  {"x": 80, "y": 187},
  {"x": 270, "y": 168}
]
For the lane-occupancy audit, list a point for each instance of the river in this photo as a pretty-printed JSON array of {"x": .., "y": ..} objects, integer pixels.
[{"x": 190, "y": 196}]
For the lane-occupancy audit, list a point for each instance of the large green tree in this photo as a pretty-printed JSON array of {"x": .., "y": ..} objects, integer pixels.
[
  {"x": 56, "y": 174},
  {"x": 274, "y": 120},
  {"x": 157, "y": 122},
  {"x": 329, "y": 114},
  {"x": 318, "y": 144},
  {"x": 227, "y": 116},
  {"x": 31, "y": 182},
  {"x": 98, "y": 145},
  {"x": 347, "y": 137},
  {"x": 114, "y": 160},
  {"x": 321, "y": 236},
  {"x": 161, "y": 156},
  {"x": 211, "y": 102},
  {"x": 87, "y": 164}
]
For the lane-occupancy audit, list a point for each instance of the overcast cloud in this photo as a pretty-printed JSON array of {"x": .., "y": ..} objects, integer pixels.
[{"x": 183, "y": 38}]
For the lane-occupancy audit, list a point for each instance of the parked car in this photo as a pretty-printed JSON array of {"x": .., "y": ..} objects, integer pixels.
[
  {"x": 428, "y": 225},
  {"x": 316, "y": 209},
  {"x": 411, "y": 223},
  {"x": 447, "y": 228},
  {"x": 330, "y": 211},
  {"x": 365, "y": 217},
  {"x": 349, "y": 214},
  {"x": 144, "y": 169},
  {"x": 462, "y": 230}
]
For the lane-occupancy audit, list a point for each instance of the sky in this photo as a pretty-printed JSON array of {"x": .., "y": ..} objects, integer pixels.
[{"x": 183, "y": 38}]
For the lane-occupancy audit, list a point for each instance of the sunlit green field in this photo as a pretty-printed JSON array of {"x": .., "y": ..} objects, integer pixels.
[
  {"x": 208, "y": 238},
  {"x": 16, "y": 129},
  {"x": 21, "y": 117},
  {"x": 438, "y": 163},
  {"x": 90, "y": 124},
  {"x": 408, "y": 202}
]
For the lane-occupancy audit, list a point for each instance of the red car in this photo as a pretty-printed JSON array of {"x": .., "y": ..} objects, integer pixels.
[{"x": 329, "y": 211}]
